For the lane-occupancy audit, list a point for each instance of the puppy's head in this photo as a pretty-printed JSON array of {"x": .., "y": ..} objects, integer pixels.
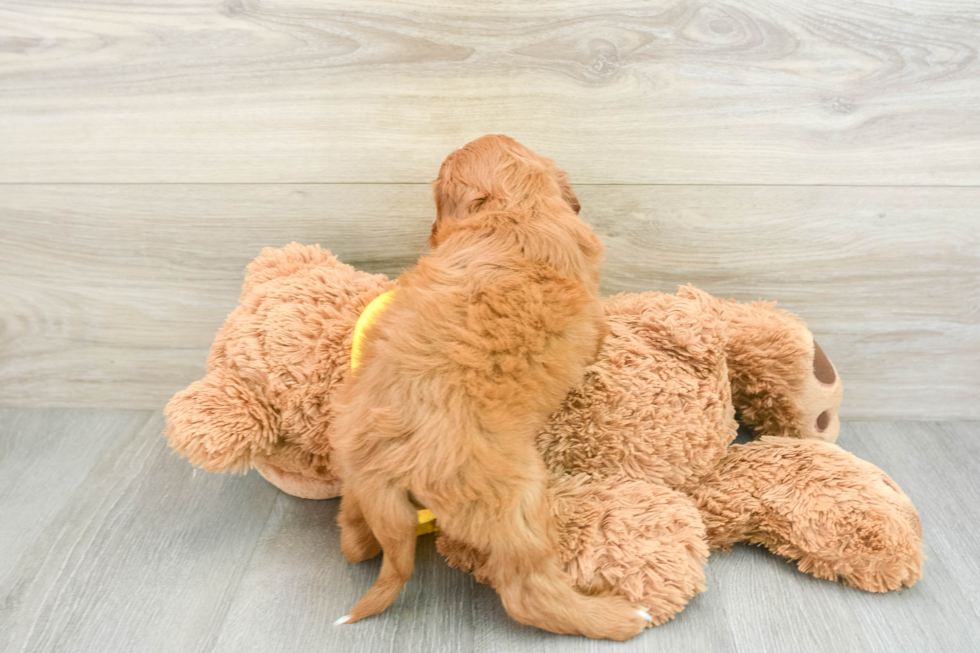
[{"x": 492, "y": 173}]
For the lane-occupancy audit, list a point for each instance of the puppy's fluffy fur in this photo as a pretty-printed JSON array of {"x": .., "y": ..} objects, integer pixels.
[{"x": 483, "y": 339}]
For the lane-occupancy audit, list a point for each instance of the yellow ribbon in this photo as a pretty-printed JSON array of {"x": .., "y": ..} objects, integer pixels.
[
  {"x": 427, "y": 523},
  {"x": 426, "y": 520},
  {"x": 368, "y": 317}
]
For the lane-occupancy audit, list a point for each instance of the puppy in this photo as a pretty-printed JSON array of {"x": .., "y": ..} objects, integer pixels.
[{"x": 478, "y": 346}]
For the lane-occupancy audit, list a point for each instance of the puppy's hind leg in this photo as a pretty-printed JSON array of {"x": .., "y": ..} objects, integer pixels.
[
  {"x": 544, "y": 597},
  {"x": 524, "y": 568},
  {"x": 392, "y": 518},
  {"x": 356, "y": 539}
]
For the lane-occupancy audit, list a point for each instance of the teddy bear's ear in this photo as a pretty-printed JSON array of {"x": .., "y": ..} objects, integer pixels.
[
  {"x": 275, "y": 263},
  {"x": 219, "y": 424}
]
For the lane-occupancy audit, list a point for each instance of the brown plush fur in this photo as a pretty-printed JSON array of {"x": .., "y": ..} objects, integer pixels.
[
  {"x": 642, "y": 478},
  {"x": 480, "y": 343},
  {"x": 858, "y": 526},
  {"x": 273, "y": 368},
  {"x": 657, "y": 408}
]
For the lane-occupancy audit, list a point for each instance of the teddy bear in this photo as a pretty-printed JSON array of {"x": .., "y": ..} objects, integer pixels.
[{"x": 645, "y": 480}]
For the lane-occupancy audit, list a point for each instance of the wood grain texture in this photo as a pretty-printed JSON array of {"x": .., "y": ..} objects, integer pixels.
[
  {"x": 116, "y": 545},
  {"x": 936, "y": 464},
  {"x": 110, "y": 295},
  {"x": 299, "y": 563},
  {"x": 34, "y": 488},
  {"x": 671, "y": 91},
  {"x": 128, "y": 547}
]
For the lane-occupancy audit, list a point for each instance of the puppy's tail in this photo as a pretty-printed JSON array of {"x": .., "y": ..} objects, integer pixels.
[{"x": 392, "y": 519}]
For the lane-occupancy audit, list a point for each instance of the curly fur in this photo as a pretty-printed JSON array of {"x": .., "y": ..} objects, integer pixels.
[
  {"x": 642, "y": 480},
  {"x": 478, "y": 345}
]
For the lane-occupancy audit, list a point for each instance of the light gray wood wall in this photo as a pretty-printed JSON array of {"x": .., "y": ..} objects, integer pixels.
[{"x": 826, "y": 155}]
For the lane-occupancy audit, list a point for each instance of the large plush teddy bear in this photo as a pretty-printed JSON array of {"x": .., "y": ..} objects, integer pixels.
[{"x": 645, "y": 480}]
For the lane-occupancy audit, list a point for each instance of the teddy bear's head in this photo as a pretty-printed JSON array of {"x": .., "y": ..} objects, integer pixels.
[{"x": 265, "y": 401}]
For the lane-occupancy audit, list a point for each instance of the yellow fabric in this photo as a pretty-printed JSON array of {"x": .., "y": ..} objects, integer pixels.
[
  {"x": 368, "y": 317},
  {"x": 427, "y": 521}
]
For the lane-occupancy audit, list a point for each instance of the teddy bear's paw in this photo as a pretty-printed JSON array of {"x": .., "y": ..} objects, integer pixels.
[
  {"x": 839, "y": 516},
  {"x": 799, "y": 397},
  {"x": 783, "y": 384},
  {"x": 638, "y": 539},
  {"x": 819, "y": 399},
  {"x": 880, "y": 548},
  {"x": 550, "y": 603}
]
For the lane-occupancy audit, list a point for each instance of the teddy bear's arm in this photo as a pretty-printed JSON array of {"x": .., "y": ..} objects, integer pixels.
[
  {"x": 838, "y": 516},
  {"x": 782, "y": 382}
]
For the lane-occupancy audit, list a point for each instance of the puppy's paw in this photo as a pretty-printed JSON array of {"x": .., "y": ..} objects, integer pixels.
[
  {"x": 358, "y": 544},
  {"x": 613, "y": 617}
]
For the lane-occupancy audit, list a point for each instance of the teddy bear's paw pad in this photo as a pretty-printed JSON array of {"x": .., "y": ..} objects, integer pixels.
[
  {"x": 342, "y": 620},
  {"x": 823, "y": 369},
  {"x": 820, "y": 398}
]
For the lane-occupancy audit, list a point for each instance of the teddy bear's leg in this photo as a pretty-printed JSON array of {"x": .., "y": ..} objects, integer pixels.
[
  {"x": 782, "y": 382},
  {"x": 838, "y": 516},
  {"x": 641, "y": 540},
  {"x": 356, "y": 539}
]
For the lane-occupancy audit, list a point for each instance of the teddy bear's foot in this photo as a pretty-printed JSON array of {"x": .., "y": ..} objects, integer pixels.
[
  {"x": 783, "y": 384},
  {"x": 642, "y": 541},
  {"x": 839, "y": 517},
  {"x": 301, "y": 483}
]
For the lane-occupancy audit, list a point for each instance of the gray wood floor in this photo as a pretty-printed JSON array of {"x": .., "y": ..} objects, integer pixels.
[{"x": 112, "y": 543}]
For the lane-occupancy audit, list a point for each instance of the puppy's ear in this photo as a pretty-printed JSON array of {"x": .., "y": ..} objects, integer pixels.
[
  {"x": 566, "y": 191},
  {"x": 456, "y": 201}
]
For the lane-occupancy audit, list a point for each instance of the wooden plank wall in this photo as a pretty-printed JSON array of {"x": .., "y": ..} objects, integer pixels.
[{"x": 823, "y": 154}]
